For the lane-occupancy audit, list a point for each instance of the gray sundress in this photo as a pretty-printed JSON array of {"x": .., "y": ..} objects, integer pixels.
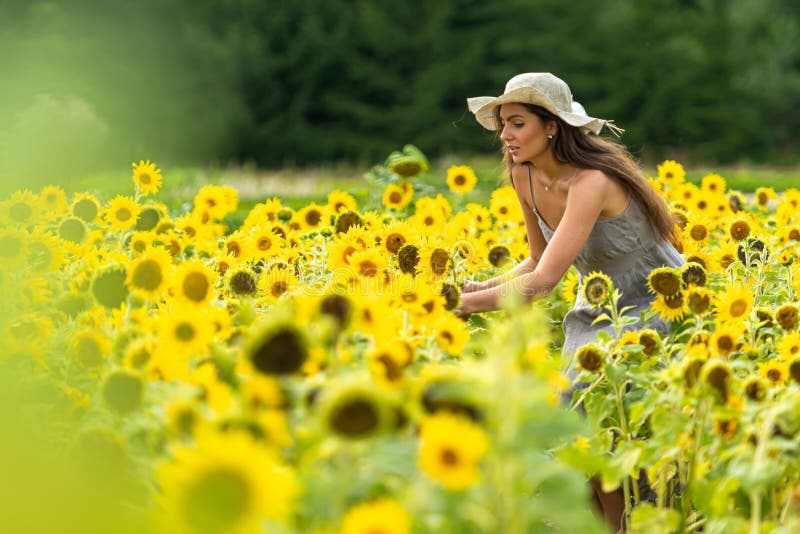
[{"x": 626, "y": 249}]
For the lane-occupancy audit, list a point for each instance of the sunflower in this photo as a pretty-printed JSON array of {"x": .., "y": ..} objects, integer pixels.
[
  {"x": 451, "y": 334},
  {"x": 569, "y": 286},
  {"x": 451, "y": 448},
  {"x": 226, "y": 482},
  {"x": 380, "y": 516},
  {"x": 698, "y": 231},
  {"x": 90, "y": 348},
  {"x": 755, "y": 388},
  {"x": 752, "y": 252},
  {"x": 122, "y": 212},
  {"x": 86, "y": 207},
  {"x": 277, "y": 345},
  {"x": 122, "y": 391},
  {"x": 241, "y": 281},
  {"x": 794, "y": 368},
  {"x": 461, "y": 179},
  {"x": 277, "y": 282},
  {"x": 665, "y": 281},
  {"x": 774, "y": 371},
  {"x": 387, "y": 361},
  {"x": 53, "y": 201},
  {"x": 725, "y": 427},
  {"x": 108, "y": 286},
  {"x": 650, "y": 340},
  {"x": 718, "y": 375},
  {"x": 394, "y": 235},
  {"x": 346, "y": 220},
  {"x": 394, "y": 197},
  {"x": 21, "y": 209},
  {"x": 13, "y": 248},
  {"x": 185, "y": 332},
  {"x": 312, "y": 217},
  {"x": 725, "y": 338},
  {"x": 693, "y": 274},
  {"x": 685, "y": 193},
  {"x": 214, "y": 201},
  {"x": 698, "y": 300},
  {"x": 410, "y": 162},
  {"x": 734, "y": 303},
  {"x": 786, "y": 315},
  {"x": 671, "y": 172},
  {"x": 434, "y": 260},
  {"x": 740, "y": 228},
  {"x": 713, "y": 183},
  {"x": 147, "y": 177},
  {"x": 504, "y": 205},
  {"x": 597, "y": 289},
  {"x": 264, "y": 241},
  {"x": 789, "y": 345},
  {"x": 590, "y": 358},
  {"x": 73, "y": 230},
  {"x": 340, "y": 201},
  {"x": 428, "y": 216},
  {"x": 45, "y": 252},
  {"x": 368, "y": 263},
  {"x": 763, "y": 195},
  {"x": 670, "y": 308},
  {"x": 150, "y": 273},
  {"x": 355, "y": 409},
  {"x": 500, "y": 256}
]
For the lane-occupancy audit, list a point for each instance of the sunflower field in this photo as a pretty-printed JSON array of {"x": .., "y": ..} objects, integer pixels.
[{"x": 302, "y": 370}]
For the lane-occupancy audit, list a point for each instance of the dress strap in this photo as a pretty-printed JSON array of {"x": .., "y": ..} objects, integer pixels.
[{"x": 530, "y": 183}]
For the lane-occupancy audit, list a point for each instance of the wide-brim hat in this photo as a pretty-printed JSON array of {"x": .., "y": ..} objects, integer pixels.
[{"x": 540, "y": 89}]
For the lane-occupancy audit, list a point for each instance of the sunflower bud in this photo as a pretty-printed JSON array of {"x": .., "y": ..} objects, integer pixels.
[
  {"x": 597, "y": 289},
  {"x": 590, "y": 358}
]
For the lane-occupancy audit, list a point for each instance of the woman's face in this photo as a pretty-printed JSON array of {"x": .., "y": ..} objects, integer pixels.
[{"x": 522, "y": 133}]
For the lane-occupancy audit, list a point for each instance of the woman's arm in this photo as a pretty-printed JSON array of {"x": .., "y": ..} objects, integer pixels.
[
  {"x": 536, "y": 244},
  {"x": 585, "y": 202}
]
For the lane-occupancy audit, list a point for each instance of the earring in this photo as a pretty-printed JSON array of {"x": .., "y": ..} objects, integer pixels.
[{"x": 549, "y": 136}]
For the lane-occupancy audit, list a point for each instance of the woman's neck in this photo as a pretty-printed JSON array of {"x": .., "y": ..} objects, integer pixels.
[{"x": 548, "y": 166}]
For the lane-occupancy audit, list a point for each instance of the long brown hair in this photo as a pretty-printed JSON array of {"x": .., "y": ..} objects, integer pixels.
[{"x": 572, "y": 146}]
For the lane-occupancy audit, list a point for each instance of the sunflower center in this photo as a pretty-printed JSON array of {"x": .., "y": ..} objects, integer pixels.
[
  {"x": 242, "y": 283},
  {"x": 337, "y": 307},
  {"x": 395, "y": 197},
  {"x": 449, "y": 457},
  {"x": 264, "y": 243},
  {"x": 147, "y": 275},
  {"x": 738, "y": 307},
  {"x": 144, "y": 178},
  {"x": 356, "y": 418},
  {"x": 367, "y": 268},
  {"x": 439, "y": 259},
  {"x": 740, "y": 230},
  {"x": 447, "y": 336},
  {"x": 281, "y": 353},
  {"x": 428, "y": 220},
  {"x": 88, "y": 352},
  {"x": 216, "y": 501},
  {"x": 195, "y": 286},
  {"x": 279, "y": 288},
  {"x": 393, "y": 371},
  {"x": 674, "y": 302},
  {"x": 123, "y": 214},
  {"x": 395, "y": 242},
  {"x": 184, "y": 332},
  {"x": 234, "y": 249},
  {"x": 85, "y": 209},
  {"x": 794, "y": 234},
  {"x": 109, "y": 288},
  {"x": 313, "y": 217},
  {"x": 725, "y": 344},
  {"x": 460, "y": 180},
  {"x": 774, "y": 375},
  {"x": 698, "y": 232},
  {"x": 72, "y": 230}
]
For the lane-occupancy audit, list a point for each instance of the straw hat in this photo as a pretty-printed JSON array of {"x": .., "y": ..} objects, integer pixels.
[{"x": 544, "y": 90}]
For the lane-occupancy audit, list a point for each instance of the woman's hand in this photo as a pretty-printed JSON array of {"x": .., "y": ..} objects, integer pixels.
[
  {"x": 463, "y": 311},
  {"x": 470, "y": 286}
]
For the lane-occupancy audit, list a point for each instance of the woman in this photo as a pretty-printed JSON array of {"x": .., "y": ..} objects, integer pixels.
[{"x": 585, "y": 203}]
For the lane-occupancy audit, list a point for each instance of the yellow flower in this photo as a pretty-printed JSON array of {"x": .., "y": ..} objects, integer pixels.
[
  {"x": 590, "y": 358},
  {"x": 670, "y": 308},
  {"x": 665, "y": 281},
  {"x": 20, "y": 210},
  {"x": 276, "y": 282},
  {"x": 434, "y": 260},
  {"x": 394, "y": 235},
  {"x": 383, "y": 516},
  {"x": 13, "y": 248},
  {"x": 597, "y": 289},
  {"x": 90, "y": 348},
  {"x": 225, "y": 483},
  {"x": 764, "y": 195},
  {"x": 149, "y": 274},
  {"x": 461, "y": 179},
  {"x": 340, "y": 201},
  {"x": 726, "y": 337},
  {"x": 504, "y": 205},
  {"x": 312, "y": 217},
  {"x": 569, "y": 286},
  {"x": 185, "y": 332},
  {"x": 147, "y": 177},
  {"x": 671, "y": 172},
  {"x": 450, "y": 449},
  {"x": 774, "y": 371},
  {"x": 86, "y": 207},
  {"x": 713, "y": 183},
  {"x": 789, "y": 345},
  {"x": 733, "y": 304},
  {"x": 53, "y": 200},
  {"x": 394, "y": 197},
  {"x": 122, "y": 213},
  {"x": 451, "y": 334}
]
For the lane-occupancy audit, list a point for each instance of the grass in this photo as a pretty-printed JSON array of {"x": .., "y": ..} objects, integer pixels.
[{"x": 297, "y": 187}]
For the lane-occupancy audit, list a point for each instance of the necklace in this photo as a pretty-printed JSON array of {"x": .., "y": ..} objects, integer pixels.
[{"x": 548, "y": 186}]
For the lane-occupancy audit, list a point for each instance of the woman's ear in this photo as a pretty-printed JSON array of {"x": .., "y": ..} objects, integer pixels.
[{"x": 551, "y": 127}]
